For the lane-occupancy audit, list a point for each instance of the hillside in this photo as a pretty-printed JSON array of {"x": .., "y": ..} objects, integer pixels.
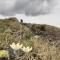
[
  {"x": 45, "y": 32},
  {"x": 44, "y": 39}
]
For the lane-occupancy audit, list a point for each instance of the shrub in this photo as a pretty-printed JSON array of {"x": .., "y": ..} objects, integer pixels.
[
  {"x": 36, "y": 28},
  {"x": 43, "y": 27}
]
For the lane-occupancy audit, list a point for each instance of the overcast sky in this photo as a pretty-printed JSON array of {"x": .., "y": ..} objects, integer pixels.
[{"x": 33, "y": 11}]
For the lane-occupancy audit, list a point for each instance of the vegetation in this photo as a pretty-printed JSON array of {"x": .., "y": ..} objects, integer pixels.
[
  {"x": 38, "y": 27},
  {"x": 44, "y": 40},
  {"x": 4, "y": 53}
]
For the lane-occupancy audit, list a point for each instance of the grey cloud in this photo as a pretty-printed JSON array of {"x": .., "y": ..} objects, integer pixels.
[{"x": 28, "y": 7}]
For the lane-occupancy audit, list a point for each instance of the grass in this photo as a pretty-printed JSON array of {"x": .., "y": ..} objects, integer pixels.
[{"x": 45, "y": 50}]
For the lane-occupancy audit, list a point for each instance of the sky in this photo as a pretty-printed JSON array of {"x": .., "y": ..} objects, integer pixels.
[{"x": 32, "y": 11}]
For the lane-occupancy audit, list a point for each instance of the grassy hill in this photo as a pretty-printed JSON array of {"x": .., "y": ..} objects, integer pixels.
[{"x": 44, "y": 39}]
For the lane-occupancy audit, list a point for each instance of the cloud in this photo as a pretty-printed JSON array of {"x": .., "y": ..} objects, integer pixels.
[
  {"x": 6, "y": 6},
  {"x": 28, "y": 7}
]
